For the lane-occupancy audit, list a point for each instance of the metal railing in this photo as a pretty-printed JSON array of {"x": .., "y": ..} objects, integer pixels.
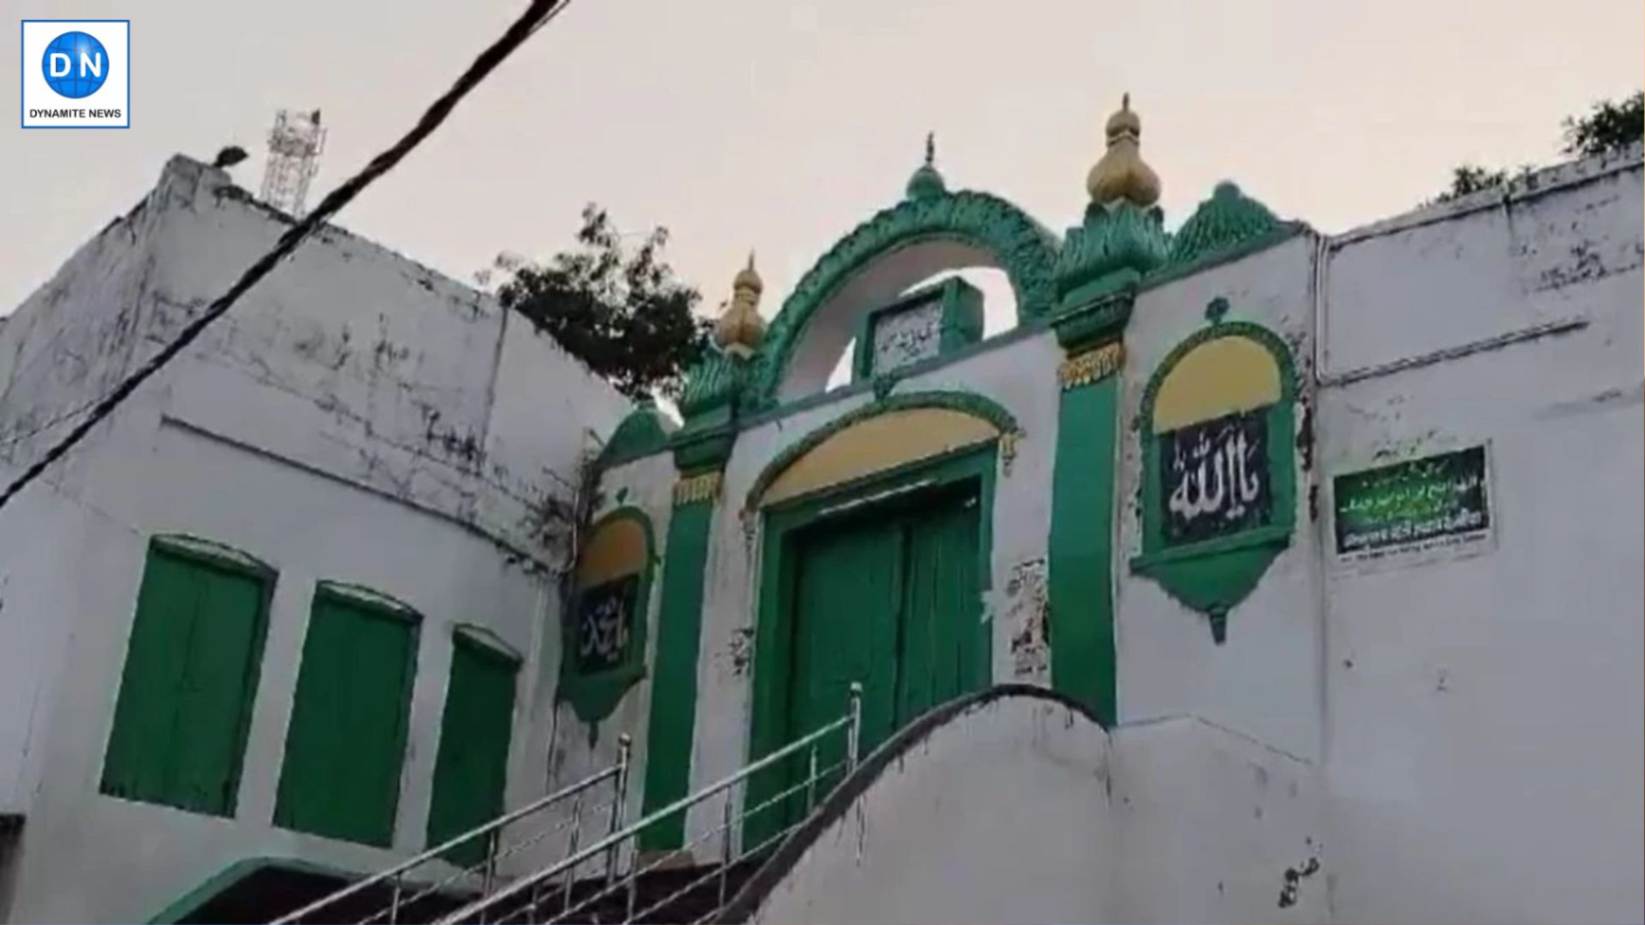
[
  {"x": 441, "y": 863},
  {"x": 700, "y": 890}
]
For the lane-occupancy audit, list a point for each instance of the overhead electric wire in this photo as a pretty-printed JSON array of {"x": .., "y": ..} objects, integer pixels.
[{"x": 537, "y": 14}]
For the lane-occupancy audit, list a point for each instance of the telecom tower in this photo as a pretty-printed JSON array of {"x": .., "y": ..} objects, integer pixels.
[{"x": 294, "y": 147}]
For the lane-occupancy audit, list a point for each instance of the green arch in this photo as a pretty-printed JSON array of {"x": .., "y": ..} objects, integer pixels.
[
  {"x": 1025, "y": 249},
  {"x": 968, "y": 402}
]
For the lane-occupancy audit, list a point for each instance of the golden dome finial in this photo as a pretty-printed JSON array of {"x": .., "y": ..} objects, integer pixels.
[
  {"x": 740, "y": 328},
  {"x": 1121, "y": 173}
]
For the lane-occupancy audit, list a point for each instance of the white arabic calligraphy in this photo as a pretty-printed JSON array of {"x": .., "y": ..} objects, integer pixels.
[{"x": 1236, "y": 484}]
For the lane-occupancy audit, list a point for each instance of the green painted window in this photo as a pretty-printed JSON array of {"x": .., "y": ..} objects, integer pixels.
[
  {"x": 471, "y": 766},
  {"x": 190, "y": 676},
  {"x": 346, "y": 740}
]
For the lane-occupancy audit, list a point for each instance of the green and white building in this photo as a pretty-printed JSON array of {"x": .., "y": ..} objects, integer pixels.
[{"x": 1247, "y": 574}]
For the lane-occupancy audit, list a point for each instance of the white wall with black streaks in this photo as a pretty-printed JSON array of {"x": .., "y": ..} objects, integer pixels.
[
  {"x": 1485, "y": 714},
  {"x": 355, "y": 417}
]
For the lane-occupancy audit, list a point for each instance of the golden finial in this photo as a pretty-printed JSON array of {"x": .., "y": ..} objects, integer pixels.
[
  {"x": 748, "y": 278},
  {"x": 740, "y": 328},
  {"x": 1121, "y": 173}
]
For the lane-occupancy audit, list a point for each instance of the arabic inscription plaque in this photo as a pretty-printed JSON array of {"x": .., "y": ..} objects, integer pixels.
[
  {"x": 1420, "y": 504},
  {"x": 1214, "y": 478},
  {"x": 605, "y": 616}
]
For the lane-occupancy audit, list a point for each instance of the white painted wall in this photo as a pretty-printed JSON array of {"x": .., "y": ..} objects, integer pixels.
[
  {"x": 356, "y": 417},
  {"x": 1208, "y": 821},
  {"x": 1486, "y": 715},
  {"x": 1000, "y": 816},
  {"x": 1022, "y": 811}
]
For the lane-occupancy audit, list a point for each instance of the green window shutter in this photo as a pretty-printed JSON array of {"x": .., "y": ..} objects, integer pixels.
[
  {"x": 471, "y": 766},
  {"x": 346, "y": 740},
  {"x": 184, "y": 708}
]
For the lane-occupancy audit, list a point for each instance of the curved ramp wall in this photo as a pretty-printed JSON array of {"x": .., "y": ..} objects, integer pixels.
[
  {"x": 990, "y": 809},
  {"x": 1015, "y": 807}
]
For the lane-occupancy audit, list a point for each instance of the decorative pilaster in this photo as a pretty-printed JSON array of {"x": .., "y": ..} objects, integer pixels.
[
  {"x": 1098, "y": 269},
  {"x": 673, "y": 720},
  {"x": 1081, "y": 576},
  {"x": 710, "y": 404}
]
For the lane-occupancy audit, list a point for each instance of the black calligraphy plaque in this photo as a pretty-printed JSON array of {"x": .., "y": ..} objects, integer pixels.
[
  {"x": 605, "y": 621},
  {"x": 1214, "y": 478}
]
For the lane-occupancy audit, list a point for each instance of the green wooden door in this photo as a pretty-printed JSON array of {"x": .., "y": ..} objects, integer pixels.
[
  {"x": 184, "y": 708},
  {"x": 889, "y": 598},
  {"x": 471, "y": 766},
  {"x": 939, "y": 656},
  {"x": 346, "y": 739}
]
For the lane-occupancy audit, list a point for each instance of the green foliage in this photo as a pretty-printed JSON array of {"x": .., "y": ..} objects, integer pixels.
[
  {"x": 1608, "y": 127},
  {"x": 620, "y": 311},
  {"x": 1470, "y": 178}
]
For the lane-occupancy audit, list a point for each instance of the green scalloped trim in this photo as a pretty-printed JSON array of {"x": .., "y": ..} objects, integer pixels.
[
  {"x": 1026, "y": 250},
  {"x": 713, "y": 383},
  {"x": 968, "y": 402},
  {"x": 1225, "y": 221},
  {"x": 1113, "y": 249},
  {"x": 642, "y": 432},
  {"x": 594, "y": 696}
]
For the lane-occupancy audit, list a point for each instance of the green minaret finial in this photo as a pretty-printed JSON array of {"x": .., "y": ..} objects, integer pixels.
[{"x": 927, "y": 183}]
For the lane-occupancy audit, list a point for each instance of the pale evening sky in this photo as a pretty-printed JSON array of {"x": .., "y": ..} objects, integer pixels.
[{"x": 779, "y": 125}]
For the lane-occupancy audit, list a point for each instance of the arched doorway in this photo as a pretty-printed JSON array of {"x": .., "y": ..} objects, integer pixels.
[{"x": 876, "y": 555}]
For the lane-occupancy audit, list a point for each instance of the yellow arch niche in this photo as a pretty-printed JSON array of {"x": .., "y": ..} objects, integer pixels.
[
  {"x": 879, "y": 444},
  {"x": 1221, "y": 376},
  {"x": 617, "y": 548}
]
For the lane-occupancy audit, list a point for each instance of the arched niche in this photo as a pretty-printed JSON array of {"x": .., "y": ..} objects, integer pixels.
[
  {"x": 1219, "y": 466},
  {"x": 882, "y": 436},
  {"x": 881, "y": 258},
  {"x": 604, "y": 632}
]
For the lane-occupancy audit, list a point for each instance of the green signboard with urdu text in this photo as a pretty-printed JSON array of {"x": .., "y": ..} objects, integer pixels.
[{"x": 1436, "y": 501}]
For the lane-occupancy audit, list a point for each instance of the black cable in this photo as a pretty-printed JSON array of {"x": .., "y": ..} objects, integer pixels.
[{"x": 537, "y": 14}]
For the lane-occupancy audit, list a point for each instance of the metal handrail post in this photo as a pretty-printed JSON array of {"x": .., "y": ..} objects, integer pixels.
[
  {"x": 624, "y": 747},
  {"x": 683, "y": 804},
  {"x": 811, "y": 781},
  {"x": 571, "y": 849},
  {"x": 853, "y": 734},
  {"x": 725, "y": 845},
  {"x": 489, "y": 876},
  {"x": 437, "y": 851},
  {"x": 394, "y": 904}
]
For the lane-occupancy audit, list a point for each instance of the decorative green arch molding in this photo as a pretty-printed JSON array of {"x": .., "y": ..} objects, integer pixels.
[
  {"x": 642, "y": 432},
  {"x": 1213, "y": 575},
  {"x": 1026, "y": 251},
  {"x": 968, "y": 402}
]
